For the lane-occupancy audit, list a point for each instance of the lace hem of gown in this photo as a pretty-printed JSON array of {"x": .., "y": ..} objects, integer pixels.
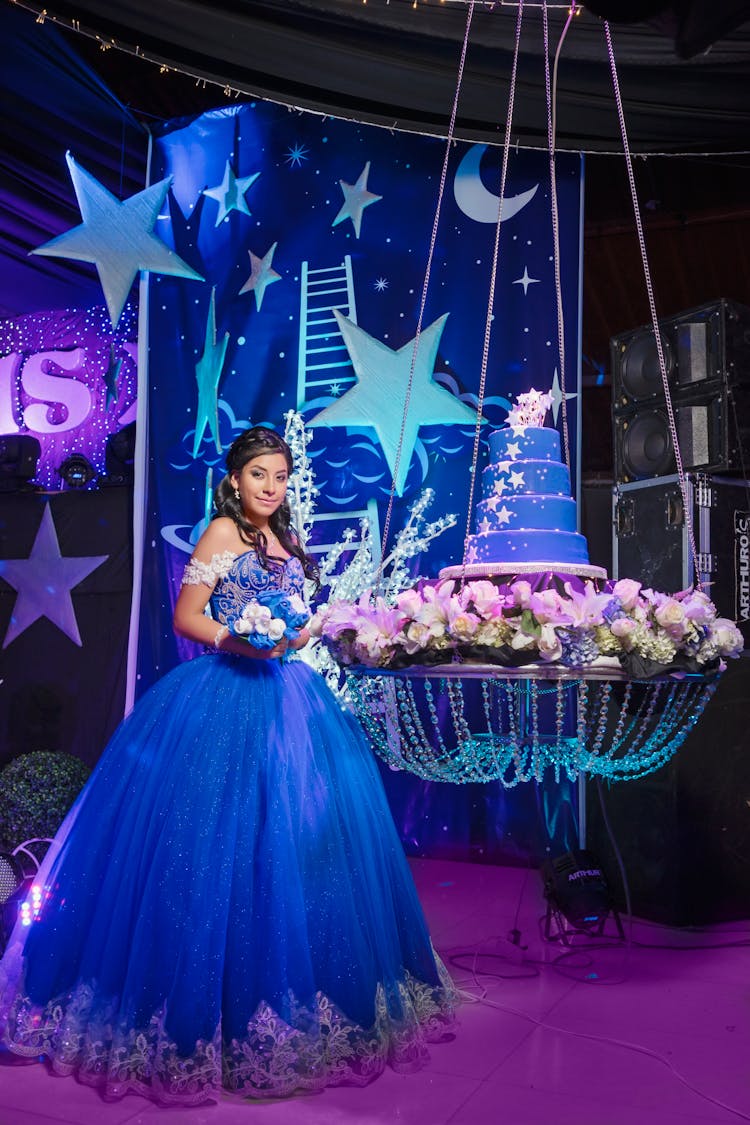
[{"x": 316, "y": 1046}]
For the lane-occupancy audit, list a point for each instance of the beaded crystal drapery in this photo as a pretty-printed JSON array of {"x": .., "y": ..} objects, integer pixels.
[{"x": 461, "y": 723}]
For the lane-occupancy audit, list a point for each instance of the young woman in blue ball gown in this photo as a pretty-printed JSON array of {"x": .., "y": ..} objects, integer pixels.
[{"x": 228, "y": 907}]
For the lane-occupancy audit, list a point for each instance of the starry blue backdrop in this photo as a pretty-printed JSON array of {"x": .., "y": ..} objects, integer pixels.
[{"x": 282, "y": 212}]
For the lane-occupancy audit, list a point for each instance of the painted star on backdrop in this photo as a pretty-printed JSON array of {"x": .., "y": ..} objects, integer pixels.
[
  {"x": 230, "y": 193},
  {"x": 379, "y": 397},
  {"x": 43, "y": 582},
  {"x": 504, "y": 515},
  {"x": 380, "y": 285},
  {"x": 526, "y": 281},
  {"x": 557, "y": 396},
  {"x": 261, "y": 275},
  {"x": 117, "y": 236},
  {"x": 516, "y": 479},
  {"x": 296, "y": 155},
  {"x": 207, "y": 375},
  {"x": 356, "y": 198}
]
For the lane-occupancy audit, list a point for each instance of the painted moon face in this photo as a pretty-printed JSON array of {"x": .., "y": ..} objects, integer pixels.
[{"x": 475, "y": 200}]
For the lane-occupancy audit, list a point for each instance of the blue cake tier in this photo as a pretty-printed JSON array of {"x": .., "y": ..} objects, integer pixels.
[
  {"x": 535, "y": 546},
  {"x": 549, "y": 478},
  {"x": 515, "y": 513},
  {"x": 537, "y": 443}
]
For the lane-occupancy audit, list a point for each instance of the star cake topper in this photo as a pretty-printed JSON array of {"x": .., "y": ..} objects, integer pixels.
[{"x": 529, "y": 410}]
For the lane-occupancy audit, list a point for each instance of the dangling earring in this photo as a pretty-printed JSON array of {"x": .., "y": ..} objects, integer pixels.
[{"x": 236, "y": 493}]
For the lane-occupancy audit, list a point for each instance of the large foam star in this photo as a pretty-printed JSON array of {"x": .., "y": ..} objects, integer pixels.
[
  {"x": 230, "y": 193},
  {"x": 261, "y": 275},
  {"x": 117, "y": 236},
  {"x": 207, "y": 374},
  {"x": 356, "y": 198},
  {"x": 379, "y": 396},
  {"x": 43, "y": 582}
]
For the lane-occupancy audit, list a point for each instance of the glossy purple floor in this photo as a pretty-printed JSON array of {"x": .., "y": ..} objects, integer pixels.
[{"x": 653, "y": 1032}]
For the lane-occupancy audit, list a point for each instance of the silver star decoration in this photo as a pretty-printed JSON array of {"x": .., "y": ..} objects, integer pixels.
[
  {"x": 526, "y": 281},
  {"x": 207, "y": 374},
  {"x": 513, "y": 450},
  {"x": 117, "y": 236},
  {"x": 516, "y": 480},
  {"x": 504, "y": 515},
  {"x": 356, "y": 198},
  {"x": 261, "y": 275},
  {"x": 379, "y": 397},
  {"x": 230, "y": 193},
  {"x": 500, "y": 486},
  {"x": 557, "y": 396},
  {"x": 43, "y": 582},
  {"x": 484, "y": 526}
]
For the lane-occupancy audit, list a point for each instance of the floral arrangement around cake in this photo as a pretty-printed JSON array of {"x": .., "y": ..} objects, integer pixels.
[{"x": 573, "y": 624}]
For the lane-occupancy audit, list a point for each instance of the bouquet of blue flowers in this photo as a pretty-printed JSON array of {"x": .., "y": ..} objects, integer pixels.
[{"x": 271, "y": 616}]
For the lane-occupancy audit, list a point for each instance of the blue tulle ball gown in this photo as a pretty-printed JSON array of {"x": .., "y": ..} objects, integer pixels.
[{"x": 228, "y": 907}]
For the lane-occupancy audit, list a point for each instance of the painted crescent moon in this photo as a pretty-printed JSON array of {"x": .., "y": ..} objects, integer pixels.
[{"x": 475, "y": 200}]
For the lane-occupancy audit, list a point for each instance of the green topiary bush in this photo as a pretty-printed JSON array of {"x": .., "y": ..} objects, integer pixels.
[{"x": 36, "y": 791}]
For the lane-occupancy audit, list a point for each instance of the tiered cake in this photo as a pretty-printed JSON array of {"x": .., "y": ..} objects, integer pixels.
[{"x": 526, "y": 519}]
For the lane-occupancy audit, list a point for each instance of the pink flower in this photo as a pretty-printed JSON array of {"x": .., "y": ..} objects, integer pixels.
[
  {"x": 671, "y": 616},
  {"x": 462, "y": 625},
  {"x": 410, "y": 602},
  {"x": 627, "y": 591},
  {"x": 727, "y": 637},
  {"x": 485, "y": 597},
  {"x": 550, "y": 646},
  {"x": 624, "y": 628},
  {"x": 521, "y": 592},
  {"x": 586, "y": 609},
  {"x": 548, "y": 607}
]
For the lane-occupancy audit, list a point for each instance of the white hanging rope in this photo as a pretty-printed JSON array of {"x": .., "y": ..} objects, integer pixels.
[
  {"x": 551, "y": 92},
  {"x": 491, "y": 298},
  {"x": 425, "y": 286}
]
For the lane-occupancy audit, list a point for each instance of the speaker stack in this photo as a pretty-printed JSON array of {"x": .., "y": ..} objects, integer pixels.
[{"x": 707, "y": 358}]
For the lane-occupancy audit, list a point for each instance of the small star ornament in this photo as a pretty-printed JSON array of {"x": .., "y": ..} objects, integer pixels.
[
  {"x": 261, "y": 275},
  {"x": 529, "y": 410},
  {"x": 516, "y": 480},
  {"x": 43, "y": 582},
  {"x": 117, "y": 236},
  {"x": 356, "y": 198},
  {"x": 484, "y": 526},
  {"x": 500, "y": 486},
  {"x": 504, "y": 515},
  {"x": 230, "y": 193}
]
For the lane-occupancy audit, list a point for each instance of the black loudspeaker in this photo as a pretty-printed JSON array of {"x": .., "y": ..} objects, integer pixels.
[
  {"x": 707, "y": 360},
  {"x": 19, "y": 456},
  {"x": 684, "y": 831}
]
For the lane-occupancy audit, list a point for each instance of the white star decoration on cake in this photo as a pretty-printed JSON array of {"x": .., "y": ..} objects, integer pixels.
[
  {"x": 230, "y": 193},
  {"x": 492, "y": 502},
  {"x": 43, "y": 582},
  {"x": 117, "y": 236},
  {"x": 504, "y": 515},
  {"x": 516, "y": 479},
  {"x": 530, "y": 409},
  {"x": 261, "y": 275},
  {"x": 379, "y": 397},
  {"x": 500, "y": 486},
  {"x": 356, "y": 198},
  {"x": 485, "y": 525},
  {"x": 471, "y": 554},
  {"x": 207, "y": 374},
  {"x": 513, "y": 450}
]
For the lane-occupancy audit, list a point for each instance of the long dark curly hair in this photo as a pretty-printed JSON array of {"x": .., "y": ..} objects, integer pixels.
[{"x": 256, "y": 442}]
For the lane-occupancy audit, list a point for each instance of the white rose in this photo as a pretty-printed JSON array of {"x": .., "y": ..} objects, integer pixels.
[{"x": 276, "y": 628}]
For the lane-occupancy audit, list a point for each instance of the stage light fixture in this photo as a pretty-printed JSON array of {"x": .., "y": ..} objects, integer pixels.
[
  {"x": 119, "y": 457},
  {"x": 19, "y": 455},
  {"x": 77, "y": 471},
  {"x": 576, "y": 890}
]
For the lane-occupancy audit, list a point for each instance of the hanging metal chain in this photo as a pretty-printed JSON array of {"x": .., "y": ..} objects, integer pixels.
[
  {"x": 491, "y": 297},
  {"x": 686, "y": 501},
  {"x": 425, "y": 286},
  {"x": 551, "y": 92}
]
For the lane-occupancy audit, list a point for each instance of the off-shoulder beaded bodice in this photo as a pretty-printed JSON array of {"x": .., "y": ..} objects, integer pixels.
[{"x": 239, "y": 579}]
